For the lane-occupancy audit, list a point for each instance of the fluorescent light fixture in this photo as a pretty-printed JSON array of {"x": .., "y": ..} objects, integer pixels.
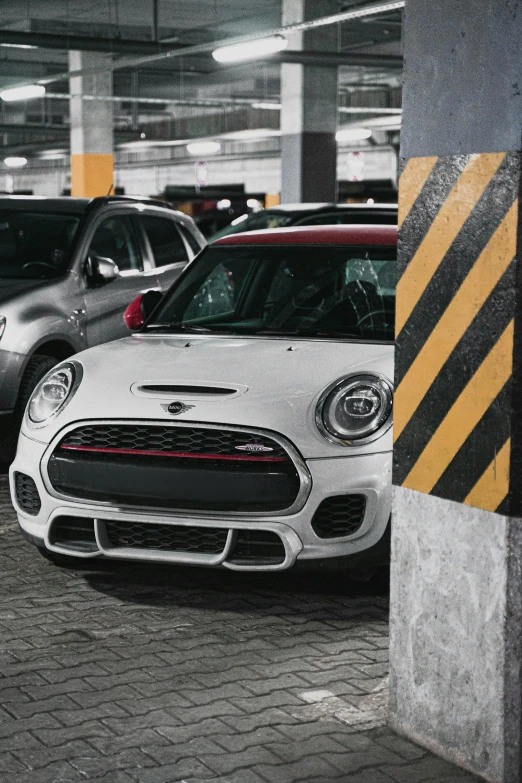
[
  {"x": 224, "y": 203},
  {"x": 268, "y": 106},
  {"x": 15, "y": 162},
  {"x": 253, "y": 203},
  {"x": 203, "y": 147},
  {"x": 250, "y": 50},
  {"x": 18, "y": 46},
  {"x": 23, "y": 93},
  {"x": 251, "y": 134},
  {"x": 353, "y": 134}
]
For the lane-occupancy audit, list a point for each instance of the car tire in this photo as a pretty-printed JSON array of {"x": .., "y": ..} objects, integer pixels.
[
  {"x": 37, "y": 367},
  {"x": 64, "y": 561}
]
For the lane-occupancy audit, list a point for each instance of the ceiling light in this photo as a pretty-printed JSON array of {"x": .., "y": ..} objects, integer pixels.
[
  {"x": 23, "y": 93},
  {"x": 268, "y": 106},
  {"x": 203, "y": 147},
  {"x": 224, "y": 203},
  {"x": 250, "y": 50},
  {"x": 353, "y": 134},
  {"x": 18, "y": 46},
  {"x": 251, "y": 134},
  {"x": 14, "y": 162}
]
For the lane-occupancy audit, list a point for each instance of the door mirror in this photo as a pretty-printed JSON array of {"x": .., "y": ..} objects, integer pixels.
[
  {"x": 139, "y": 310},
  {"x": 100, "y": 269}
]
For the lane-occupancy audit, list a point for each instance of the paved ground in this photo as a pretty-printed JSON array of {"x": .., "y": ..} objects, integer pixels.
[{"x": 129, "y": 674}]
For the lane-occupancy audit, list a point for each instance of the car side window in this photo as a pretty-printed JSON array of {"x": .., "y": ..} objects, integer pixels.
[
  {"x": 220, "y": 291},
  {"x": 191, "y": 239},
  {"x": 165, "y": 240},
  {"x": 115, "y": 239},
  {"x": 332, "y": 219}
]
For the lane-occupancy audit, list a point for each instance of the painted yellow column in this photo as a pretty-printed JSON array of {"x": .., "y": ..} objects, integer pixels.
[{"x": 91, "y": 109}]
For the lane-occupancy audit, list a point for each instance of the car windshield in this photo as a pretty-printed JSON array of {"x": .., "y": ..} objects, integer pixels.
[
  {"x": 258, "y": 220},
  {"x": 35, "y": 245},
  {"x": 321, "y": 291}
]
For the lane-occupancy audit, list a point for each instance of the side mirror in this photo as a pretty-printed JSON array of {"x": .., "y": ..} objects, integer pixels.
[
  {"x": 100, "y": 269},
  {"x": 140, "y": 308}
]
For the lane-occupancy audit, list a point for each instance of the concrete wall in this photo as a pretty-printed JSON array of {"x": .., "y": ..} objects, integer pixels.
[{"x": 146, "y": 177}]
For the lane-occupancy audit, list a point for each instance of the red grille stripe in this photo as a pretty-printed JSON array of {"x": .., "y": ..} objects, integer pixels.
[{"x": 148, "y": 453}]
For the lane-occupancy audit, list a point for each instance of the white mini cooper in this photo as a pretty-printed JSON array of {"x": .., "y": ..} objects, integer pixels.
[{"x": 245, "y": 424}]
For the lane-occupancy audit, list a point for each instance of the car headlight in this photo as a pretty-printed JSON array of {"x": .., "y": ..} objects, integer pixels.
[
  {"x": 53, "y": 393},
  {"x": 356, "y": 410}
]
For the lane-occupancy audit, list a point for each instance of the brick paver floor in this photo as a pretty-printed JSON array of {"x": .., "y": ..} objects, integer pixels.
[{"x": 133, "y": 674}]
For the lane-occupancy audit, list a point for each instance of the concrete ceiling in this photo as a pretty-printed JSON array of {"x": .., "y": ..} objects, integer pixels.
[{"x": 192, "y": 79}]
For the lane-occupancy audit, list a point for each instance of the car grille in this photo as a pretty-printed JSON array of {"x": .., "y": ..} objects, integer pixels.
[
  {"x": 27, "y": 495},
  {"x": 175, "y": 467},
  {"x": 338, "y": 516},
  {"x": 181, "y": 442},
  {"x": 135, "y": 535}
]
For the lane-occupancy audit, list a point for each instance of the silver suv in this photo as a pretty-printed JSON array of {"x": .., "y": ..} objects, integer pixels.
[{"x": 68, "y": 269}]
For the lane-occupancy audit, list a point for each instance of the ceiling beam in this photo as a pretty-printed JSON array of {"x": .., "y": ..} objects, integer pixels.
[
  {"x": 337, "y": 58},
  {"x": 85, "y": 43}
]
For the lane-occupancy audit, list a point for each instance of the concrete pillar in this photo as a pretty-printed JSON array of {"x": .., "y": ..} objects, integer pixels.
[
  {"x": 309, "y": 110},
  {"x": 92, "y": 145},
  {"x": 456, "y": 587}
]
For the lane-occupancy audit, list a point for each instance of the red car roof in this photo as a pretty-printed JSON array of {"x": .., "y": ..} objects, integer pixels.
[{"x": 316, "y": 235}]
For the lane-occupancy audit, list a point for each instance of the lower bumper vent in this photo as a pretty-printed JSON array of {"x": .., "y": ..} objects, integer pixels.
[
  {"x": 166, "y": 538},
  {"x": 258, "y": 547},
  {"x": 27, "y": 495},
  {"x": 74, "y": 533},
  {"x": 341, "y": 515}
]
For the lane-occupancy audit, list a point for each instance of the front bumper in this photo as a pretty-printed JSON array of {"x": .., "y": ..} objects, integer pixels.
[{"x": 369, "y": 475}]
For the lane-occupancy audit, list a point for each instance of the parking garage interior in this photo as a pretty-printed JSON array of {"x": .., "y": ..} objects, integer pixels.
[{"x": 207, "y": 627}]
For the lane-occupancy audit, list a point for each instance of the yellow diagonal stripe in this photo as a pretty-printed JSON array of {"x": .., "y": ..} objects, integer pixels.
[
  {"x": 413, "y": 179},
  {"x": 493, "y": 486},
  {"x": 475, "y": 289},
  {"x": 464, "y": 415},
  {"x": 451, "y": 217}
]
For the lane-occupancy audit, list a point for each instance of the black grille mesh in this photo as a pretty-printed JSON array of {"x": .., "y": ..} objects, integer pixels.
[
  {"x": 190, "y": 440},
  {"x": 337, "y": 516},
  {"x": 167, "y": 538},
  {"x": 258, "y": 547},
  {"x": 27, "y": 494}
]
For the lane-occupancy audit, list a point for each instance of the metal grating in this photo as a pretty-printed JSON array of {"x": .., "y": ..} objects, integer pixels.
[
  {"x": 338, "y": 516},
  {"x": 166, "y": 538},
  {"x": 188, "y": 440},
  {"x": 27, "y": 495}
]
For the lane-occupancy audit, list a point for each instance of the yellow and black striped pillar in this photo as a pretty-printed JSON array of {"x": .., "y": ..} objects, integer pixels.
[
  {"x": 456, "y": 569},
  {"x": 456, "y": 306}
]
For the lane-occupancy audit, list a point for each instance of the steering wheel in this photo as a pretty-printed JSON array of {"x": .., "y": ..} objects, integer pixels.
[
  {"x": 366, "y": 317},
  {"x": 38, "y": 263}
]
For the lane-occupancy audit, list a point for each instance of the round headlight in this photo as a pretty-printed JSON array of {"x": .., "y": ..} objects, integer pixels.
[
  {"x": 53, "y": 393},
  {"x": 356, "y": 410}
]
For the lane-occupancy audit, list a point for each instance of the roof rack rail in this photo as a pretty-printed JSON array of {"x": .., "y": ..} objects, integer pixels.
[{"x": 99, "y": 201}]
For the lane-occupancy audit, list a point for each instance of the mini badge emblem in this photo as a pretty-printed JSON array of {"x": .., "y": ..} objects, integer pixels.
[
  {"x": 254, "y": 447},
  {"x": 176, "y": 408}
]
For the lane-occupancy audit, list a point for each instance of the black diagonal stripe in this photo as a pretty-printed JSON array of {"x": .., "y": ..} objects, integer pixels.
[
  {"x": 469, "y": 353},
  {"x": 435, "y": 191},
  {"x": 505, "y": 506},
  {"x": 489, "y": 212},
  {"x": 478, "y": 451}
]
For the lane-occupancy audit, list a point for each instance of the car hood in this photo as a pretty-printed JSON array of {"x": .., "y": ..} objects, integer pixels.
[
  {"x": 278, "y": 382},
  {"x": 11, "y": 287}
]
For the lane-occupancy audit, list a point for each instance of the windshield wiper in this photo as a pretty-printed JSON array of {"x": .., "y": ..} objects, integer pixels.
[{"x": 179, "y": 325}]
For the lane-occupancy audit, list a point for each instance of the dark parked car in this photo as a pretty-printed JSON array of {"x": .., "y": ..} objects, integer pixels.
[
  {"x": 68, "y": 269},
  {"x": 311, "y": 215}
]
